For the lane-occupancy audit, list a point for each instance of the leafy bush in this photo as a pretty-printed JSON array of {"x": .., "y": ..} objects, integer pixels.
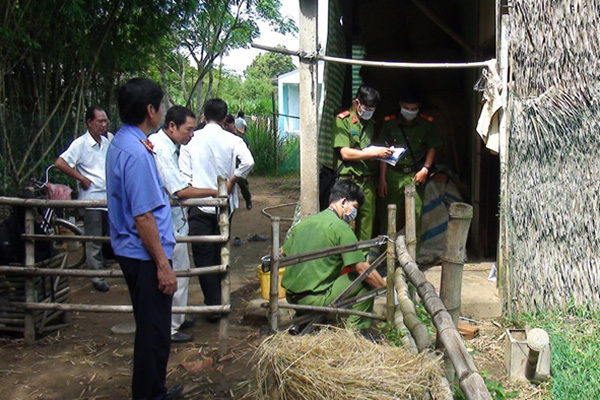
[{"x": 273, "y": 155}]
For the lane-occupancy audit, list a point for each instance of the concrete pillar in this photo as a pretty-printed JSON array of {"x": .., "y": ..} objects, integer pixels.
[{"x": 309, "y": 182}]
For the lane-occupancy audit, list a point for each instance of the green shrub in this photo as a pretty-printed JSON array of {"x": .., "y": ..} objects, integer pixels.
[{"x": 272, "y": 155}]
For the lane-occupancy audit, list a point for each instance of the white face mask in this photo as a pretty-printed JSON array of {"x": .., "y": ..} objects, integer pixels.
[
  {"x": 363, "y": 113},
  {"x": 366, "y": 114},
  {"x": 408, "y": 114},
  {"x": 351, "y": 216}
]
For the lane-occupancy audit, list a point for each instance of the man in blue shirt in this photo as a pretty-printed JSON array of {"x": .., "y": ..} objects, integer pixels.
[{"x": 141, "y": 233}]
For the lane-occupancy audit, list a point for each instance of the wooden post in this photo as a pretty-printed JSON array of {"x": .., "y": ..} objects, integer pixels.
[
  {"x": 274, "y": 292},
  {"x": 537, "y": 340},
  {"x": 470, "y": 382},
  {"x": 453, "y": 257},
  {"x": 309, "y": 184},
  {"x": 502, "y": 44},
  {"x": 225, "y": 260},
  {"x": 410, "y": 230},
  {"x": 452, "y": 266},
  {"x": 391, "y": 262},
  {"x": 30, "y": 297}
]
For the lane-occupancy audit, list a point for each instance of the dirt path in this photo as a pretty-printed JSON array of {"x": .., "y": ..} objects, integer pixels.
[{"x": 88, "y": 361}]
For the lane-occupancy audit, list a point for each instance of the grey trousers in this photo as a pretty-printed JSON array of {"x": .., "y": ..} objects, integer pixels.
[{"x": 93, "y": 226}]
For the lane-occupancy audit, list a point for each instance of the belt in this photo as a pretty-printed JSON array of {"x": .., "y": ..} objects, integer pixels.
[
  {"x": 406, "y": 169},
  {"x": 356, "y": 179}
]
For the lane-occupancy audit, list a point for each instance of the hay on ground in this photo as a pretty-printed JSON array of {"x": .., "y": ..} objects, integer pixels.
[{"x": 340, "y": 364}]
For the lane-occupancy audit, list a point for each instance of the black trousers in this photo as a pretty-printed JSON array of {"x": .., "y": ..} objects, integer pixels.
[
  {"x": 152, "y": 313},
  {"x": 206, "y": 254}
]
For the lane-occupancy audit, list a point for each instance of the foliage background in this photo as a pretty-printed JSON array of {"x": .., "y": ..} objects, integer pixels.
[{"x": 61, "y": 56}]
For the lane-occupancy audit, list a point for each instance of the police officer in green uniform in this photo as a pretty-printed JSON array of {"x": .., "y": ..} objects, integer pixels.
[
  {"x": 352, "y": 134},
  {"x": 415, "y": 164},
  {"x": 319, "y": 282}
]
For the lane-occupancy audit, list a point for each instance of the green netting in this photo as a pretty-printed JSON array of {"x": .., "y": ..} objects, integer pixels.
[{"x": 551, "y": 205}]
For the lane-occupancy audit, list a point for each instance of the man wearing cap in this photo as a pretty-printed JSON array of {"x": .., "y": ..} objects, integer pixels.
[
  {"x": 415, "y": 132},
  {"x": 352, "y": 134}
]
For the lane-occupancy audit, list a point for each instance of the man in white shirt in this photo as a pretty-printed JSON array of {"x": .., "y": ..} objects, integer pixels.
[
  {"x": 211, "y": 153},
  {"x": 177, "y": 131},
  {"x": 84, "y": 160},
  {"x": 240, "y": 124}
]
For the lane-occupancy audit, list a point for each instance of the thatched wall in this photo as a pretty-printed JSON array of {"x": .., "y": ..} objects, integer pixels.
[{"x": 552, "y": 204}]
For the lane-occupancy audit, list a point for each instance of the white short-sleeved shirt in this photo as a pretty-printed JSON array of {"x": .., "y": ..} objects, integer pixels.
[
  {"x": 166, "y": 157},
  {"x": 240, "y": 124},
  {"x": 211, "y": 153},
  {"x": 88, "y": 157}
]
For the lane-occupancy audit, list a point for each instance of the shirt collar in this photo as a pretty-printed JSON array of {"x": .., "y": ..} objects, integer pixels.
[
  {"x": 162, "y": 135},
  {"x": 90, "y": 139},
  {"x": 132, "y": 130}
]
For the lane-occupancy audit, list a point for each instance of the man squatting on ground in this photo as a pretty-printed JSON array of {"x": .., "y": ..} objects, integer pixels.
[
  {"x": 242, "y": 183},
  {"x": 318, "y": 282},
  {"x": 178, "y": 130},
  {"x": 353, "y": 132},
  {"x": 141, "y": 234},
  {"x": 84, "y": 160},
  {"x": 211, "y": 153}
]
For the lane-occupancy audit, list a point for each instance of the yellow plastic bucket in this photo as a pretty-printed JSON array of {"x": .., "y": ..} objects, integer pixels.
[{"x": 265, "y": 283}]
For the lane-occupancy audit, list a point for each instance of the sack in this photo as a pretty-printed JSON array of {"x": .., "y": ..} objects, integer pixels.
[{"x": 327, "y": 178}]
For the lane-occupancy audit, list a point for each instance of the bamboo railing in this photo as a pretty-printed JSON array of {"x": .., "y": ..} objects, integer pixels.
[{"x": 30, "y": 271}]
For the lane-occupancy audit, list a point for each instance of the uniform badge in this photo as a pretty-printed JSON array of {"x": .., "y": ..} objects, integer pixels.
[
  {"x": 354, "y": 119},
  {"x": 148, "y": 145}
]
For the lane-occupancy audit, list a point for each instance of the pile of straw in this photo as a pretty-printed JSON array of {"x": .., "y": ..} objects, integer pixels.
[{"x": 340, "y": 364}]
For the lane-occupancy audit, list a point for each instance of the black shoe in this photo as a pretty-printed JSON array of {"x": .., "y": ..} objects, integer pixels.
[
  {"x": 101, "y": 286},
  {"x": 180, "y": 337},
  {"x": 174, "y": 393},
  {"x": 237, "y": 241},
  {"x": 187, "y": 323},
  {"x": 249, "y": 205}
]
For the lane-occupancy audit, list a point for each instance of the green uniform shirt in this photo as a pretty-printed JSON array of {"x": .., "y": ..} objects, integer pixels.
[
  {"x": 349, "y": 131},
  {"x": 319, "y": 231},
  {"x": 422, "y": 135}
]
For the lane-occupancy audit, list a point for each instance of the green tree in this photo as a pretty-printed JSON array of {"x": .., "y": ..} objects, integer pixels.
[
  {"x": 269, "y": 66},
  {"x": 59, "y": 57},
  {"x": 217, "y": 26}
]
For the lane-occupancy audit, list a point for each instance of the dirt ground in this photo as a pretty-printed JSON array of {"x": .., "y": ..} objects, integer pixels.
[{"x": 88, "y": 361}]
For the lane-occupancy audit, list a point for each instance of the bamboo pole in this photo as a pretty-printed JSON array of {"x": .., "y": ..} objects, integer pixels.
[
  {"x": 312, "y": 255},
  {"x": 410, "y": 228},
  {"x": 391, "y": 263},
  {"x": 29, "y": 306},
  {"x": 331, "y": 310},
  {"x": 470, "y": 382},
  {"x": 382, "y": 64},
  {"x": 453, "y": 257},
  {"x": 29, "y": 330},
  {"x": 106, "y": 239},
  {"x": 405, "y": 316},
  {"x": 274, "y": 289},
  {"x": 113, "y": 273},
  {"x": 19, "y": 202},
  {"x": 225, "y": 260}
]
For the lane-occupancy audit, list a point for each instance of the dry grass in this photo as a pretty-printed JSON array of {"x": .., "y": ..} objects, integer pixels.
[{"x": 340, "y": 364}]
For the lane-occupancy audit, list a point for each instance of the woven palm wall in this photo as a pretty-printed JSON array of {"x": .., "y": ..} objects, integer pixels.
[{"x": 552, "y": 204}]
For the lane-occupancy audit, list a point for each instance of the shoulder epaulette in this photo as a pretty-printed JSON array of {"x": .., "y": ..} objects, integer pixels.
[
  {"x": 343, "y": 114},
  {"x": 390, "y": 117},
  {"x": 427, "y": 117}
]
